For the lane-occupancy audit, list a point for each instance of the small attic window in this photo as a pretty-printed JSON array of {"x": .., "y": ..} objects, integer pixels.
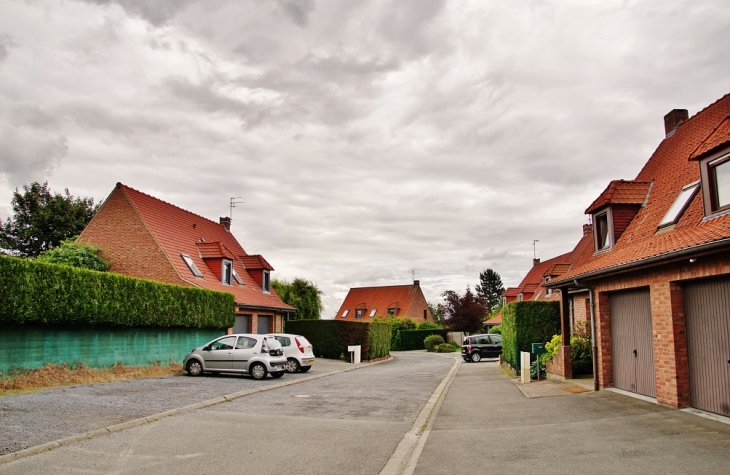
[
  {"x": 603, "y": 233},
  {"x": 392, "y": 311},
  {"x": 237, "y": 277},
  {"x": 344, "y": 314},
  {"x": 226, "y": 268},
  {"x": 266, "y": 281},
  {"x": 372, "y": 312},
  {"x": 680, "y": 204},
  {"x": 191, "y": 265}
]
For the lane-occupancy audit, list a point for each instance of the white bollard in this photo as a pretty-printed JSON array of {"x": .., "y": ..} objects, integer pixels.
[
  {"x": 524, "y": 367},
  {"x": 355, "y": 350}
]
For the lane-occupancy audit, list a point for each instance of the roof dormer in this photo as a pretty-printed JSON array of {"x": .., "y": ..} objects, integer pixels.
[
  {"x": 259, "y": 269},
  {"x": 713, "y": 155},
  {"x": 612, "y": 212}
]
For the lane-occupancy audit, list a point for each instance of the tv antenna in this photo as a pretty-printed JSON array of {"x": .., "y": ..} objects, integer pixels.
[
  {"x": 233, "y": 205},
  {"x": 534, "y": 251},
  {"x": 413, "y": 274}
]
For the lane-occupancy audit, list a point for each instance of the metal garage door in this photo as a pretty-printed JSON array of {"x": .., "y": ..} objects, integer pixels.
[
  {"x": 264, "y": 325},
  {"x": 241, "y": 325},
  {"x": 632, "y": 348},
  {"x": 707, "y": 313}
]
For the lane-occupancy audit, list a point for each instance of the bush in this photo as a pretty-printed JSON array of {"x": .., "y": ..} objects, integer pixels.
[
  {"x": 73, "y": 254},
  {"x": 581, "y": 353},
  {"x": 429, "y": 326},
  {"x": 330, "y": 338},
  {"x": 431, "y": 342},
  {"x": 413, "y": 339},
  {"x": 496, "y": 329},
  {"x": 445, "y": 348},
  {"x": 397, "y": 325},
  {"x": 39, "y": 293},
  {"x": 527, "y": 322}
]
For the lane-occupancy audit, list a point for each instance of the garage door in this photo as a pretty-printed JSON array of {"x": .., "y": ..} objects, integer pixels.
[
  {"x": 707, "y": 313},
  {"x": 241, "y": 325},
  {"x": 632, "y": 348},
  {"x": 264, "y": 324}
]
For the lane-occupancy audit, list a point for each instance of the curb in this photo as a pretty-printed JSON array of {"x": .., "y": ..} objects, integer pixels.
[
  {"x": 48, "y": 446},
  {"x": 405, "y": 456}
]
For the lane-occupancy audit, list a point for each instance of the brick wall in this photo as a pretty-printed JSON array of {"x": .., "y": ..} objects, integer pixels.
[
  {"x": 126, "y": 242},
  {"x": 668, "y": 323}
]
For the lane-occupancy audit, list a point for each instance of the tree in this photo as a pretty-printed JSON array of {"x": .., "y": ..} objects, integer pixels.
[
  {"x": 42, "y": 220},
  {"x": 71, "y": 253},
  {"x": 464, "y": 313},
  {"x": 302, "y": 295},
  {"x": 437, "y": 311},
  {"x": 490, "y": 288}
]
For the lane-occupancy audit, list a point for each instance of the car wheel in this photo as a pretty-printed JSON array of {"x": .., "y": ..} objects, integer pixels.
[
  {"x": 304, "y": 369},
  {"x": 258, "y": 371},
  {"x": 277, "y": 374},
  {"x": 194, "y": 368},
  {"x": 476, "y": 357},
  {"x": 292, "y": 365}
]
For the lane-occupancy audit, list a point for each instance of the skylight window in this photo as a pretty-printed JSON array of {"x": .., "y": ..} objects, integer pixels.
[
  {"x": 237, "y": 277},
  {"x": 372, "y": 313},
  {"x": 344, "y": 314},
  {"x": 680, "y": 204},
  {"x": 191, "y": 265}
]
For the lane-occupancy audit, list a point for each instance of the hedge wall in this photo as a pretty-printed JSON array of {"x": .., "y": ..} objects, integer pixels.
[
  {"x": 525, "y": 323},
  {"x": 37, "y": 293},
  {"x": 413, "y": 339},
  {"x": 330, "y": 338}
]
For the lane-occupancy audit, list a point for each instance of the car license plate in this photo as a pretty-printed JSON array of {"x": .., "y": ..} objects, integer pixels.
[{"x": 311, "y": 362}]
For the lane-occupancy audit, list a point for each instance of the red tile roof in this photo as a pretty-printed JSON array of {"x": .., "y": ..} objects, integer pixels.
[
  {"x": 408, "y": 299},
  {"x": 621, "y": 192},
  {"x": 178, "y": 231},
  {"x": 670, "y": 169},
  {"x": 255, "y": 261}
]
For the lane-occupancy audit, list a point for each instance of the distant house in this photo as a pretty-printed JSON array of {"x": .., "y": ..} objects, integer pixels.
[
  {"x": 142, "y": 236},
  {"x": 362, "y": 304},
  {"x": 658, "y": 270}
]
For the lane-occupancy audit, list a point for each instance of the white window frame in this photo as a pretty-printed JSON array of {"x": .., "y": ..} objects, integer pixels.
[
  {"x": 266, "y": 281},
  {"x": 191, "y": 265},
  {"x": 344, "y": 314},
  {"x": 609, "y": 230},
  {"x": 680, "y": 204},
  {"x": 226, "y": 279}
]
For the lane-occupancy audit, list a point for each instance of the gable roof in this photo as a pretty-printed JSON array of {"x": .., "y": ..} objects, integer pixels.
[
  {"x": 621, "y": 192},
  {"x": 669, "y": 169},
  {"x": 406, "y": 298},
  {"x": 178, "y": 231}
]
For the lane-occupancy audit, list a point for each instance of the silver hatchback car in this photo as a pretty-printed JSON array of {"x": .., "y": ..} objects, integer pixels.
[
  {"x": 297, "y": 350},
  {"x": 257, "y": 355}
]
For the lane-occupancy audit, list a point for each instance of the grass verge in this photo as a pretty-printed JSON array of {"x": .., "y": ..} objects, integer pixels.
[{"x": 52, "y": 375}]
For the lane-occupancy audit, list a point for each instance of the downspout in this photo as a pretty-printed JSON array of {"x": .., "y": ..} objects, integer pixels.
[{"x": 594, "y": 347}]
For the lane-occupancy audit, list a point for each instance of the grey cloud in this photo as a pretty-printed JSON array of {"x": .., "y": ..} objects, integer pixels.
[
  {"x": 157, "y": 12},
  {"x": 33, "y": 116},
  {"x": 5, "y": 43},
  {"x": 297, "y": 11},
  {"x": 28, "y": 155},
  {"x": 94, "y": 116}
]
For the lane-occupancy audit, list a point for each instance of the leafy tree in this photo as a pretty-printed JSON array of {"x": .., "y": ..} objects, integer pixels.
[
  {"x": 302, "y": 295},
  {"x": 490, "y": 288},
  {"x": 437, "y": 311},
  {"x": 71, "y": 253},
  {"x": 42, "y": 220},
  {"x": 464, "y": 313}
]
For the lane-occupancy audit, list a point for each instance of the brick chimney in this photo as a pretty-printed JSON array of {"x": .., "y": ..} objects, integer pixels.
[
  {"x": 417, "y": 283},
  {"x": 535, "y": 261},
  {"x": 673, "y": 120},
  {"x": 226, "y": 223},
  {"x": 587, "y": 228}
]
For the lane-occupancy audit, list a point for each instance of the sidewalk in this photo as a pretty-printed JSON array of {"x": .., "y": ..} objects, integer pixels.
[{"x": 487, "y": 424}]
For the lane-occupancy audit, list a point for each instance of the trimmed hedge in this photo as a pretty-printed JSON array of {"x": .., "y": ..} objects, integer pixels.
[
  {"x": 525, "y": 323},
  {"x": 38, "y": 293},
  {"x": 330, "y": 338},
  {"x": 413, "y": 339}
]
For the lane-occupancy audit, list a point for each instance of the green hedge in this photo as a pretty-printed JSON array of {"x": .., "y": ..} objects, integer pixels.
[
  {"x": 50, "y": 294},
  {"x": 525, "y": 323},
  {"x": 413, "y": 339},
  {"x": 330, "y": 338}
]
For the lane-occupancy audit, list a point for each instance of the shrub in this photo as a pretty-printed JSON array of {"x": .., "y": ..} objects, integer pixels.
[
  {"x": 397, "y": 325},
  {"x": 445, "y": 348},
  {"x": 496, "y": 329},
  {"x": 39, "y": 293},
  {"x": 429, "y": 326},
  {"x": 580, "y": 353},
  {"x": 330, "y": 338},
  {"x": 551, "y": 348},
  {"x": 413, "y": 339},
  {"x": 527, "y": 322},
  {"x": 73, "y": 254},
  {"x": 431, "y": 342}
]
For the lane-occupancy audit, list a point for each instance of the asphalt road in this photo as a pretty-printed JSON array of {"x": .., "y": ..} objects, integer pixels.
[{"x": 345, "y": 423}]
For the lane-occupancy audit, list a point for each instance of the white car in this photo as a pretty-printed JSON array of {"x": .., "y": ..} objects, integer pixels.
[
  {"x": 257, "y": 355},
  {"x": 297, "y": 350}
]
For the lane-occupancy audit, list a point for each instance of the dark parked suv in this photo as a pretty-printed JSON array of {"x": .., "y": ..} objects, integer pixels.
[{"x": 476, "y": 347}]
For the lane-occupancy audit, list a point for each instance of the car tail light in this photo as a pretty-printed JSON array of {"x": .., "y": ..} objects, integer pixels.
[{"x": 299, "y": 345}]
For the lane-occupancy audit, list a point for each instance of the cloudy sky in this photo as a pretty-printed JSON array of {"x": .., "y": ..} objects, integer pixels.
[{"x": 367, "y": 139}]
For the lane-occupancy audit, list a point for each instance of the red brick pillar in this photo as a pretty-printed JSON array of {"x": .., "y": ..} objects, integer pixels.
[{"x": 603, "y": 339}]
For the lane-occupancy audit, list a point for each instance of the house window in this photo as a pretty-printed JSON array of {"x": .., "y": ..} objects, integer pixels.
[
  {"x": 266, "y": 281},
  {"x": 227, "y": 267},
  {"x": 719, "y": 172},
  {"x": 191, "y": 265},
  {"x": 425, "y": 315},
  {"x": 519, "y": 297},
  {"x": 372, "y": 312},
  {"x": 680, "y": 204},
  {"x": 392, "y": 312},
  {"x": 236, "y": 277},
  {"x": 358, "y": 313},
  {"x": 344, "y": 314},
  {"x": 504, "y": 301},
  {"x": 602, "y": 232}
]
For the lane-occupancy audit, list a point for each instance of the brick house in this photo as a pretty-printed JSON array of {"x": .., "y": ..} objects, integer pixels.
[
  {"x": 658, "y": 270},
  {"x": 142, "y": 236},
  {"x": 362, "y": 304}
]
